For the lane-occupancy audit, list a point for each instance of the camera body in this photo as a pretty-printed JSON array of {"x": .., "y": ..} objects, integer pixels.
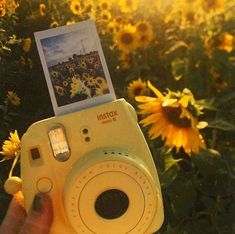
[{"x": 96, "y": 166}]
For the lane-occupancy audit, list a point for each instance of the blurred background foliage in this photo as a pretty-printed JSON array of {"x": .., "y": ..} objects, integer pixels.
[{"x": 175, "y": 44}]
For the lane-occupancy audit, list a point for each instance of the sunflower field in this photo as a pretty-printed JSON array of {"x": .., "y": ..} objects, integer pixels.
[{"x": 174, "y": 61}]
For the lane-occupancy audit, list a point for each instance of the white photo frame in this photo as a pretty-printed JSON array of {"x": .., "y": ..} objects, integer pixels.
[{"x": 74, "y": 66}]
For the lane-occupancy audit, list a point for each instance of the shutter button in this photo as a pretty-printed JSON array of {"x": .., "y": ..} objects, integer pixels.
[{"x": 44, "y": 185}]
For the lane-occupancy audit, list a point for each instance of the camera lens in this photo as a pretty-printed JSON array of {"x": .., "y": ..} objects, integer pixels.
[{"x": 111, "y": 204}]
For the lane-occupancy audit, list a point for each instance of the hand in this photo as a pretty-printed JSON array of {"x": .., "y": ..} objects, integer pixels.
[{"x": 38, "y": 220}]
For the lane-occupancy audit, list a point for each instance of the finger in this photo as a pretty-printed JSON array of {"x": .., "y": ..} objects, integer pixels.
[
  {"x": 40, "y": 216},
  {"x": 15, "y": 216}
]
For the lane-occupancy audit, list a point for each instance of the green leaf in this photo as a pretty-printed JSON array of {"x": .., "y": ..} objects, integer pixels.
[
  {"x": 225, "y": 98},
  {"x": 182, "y": 196},
  {"x": 178, "y": 68},
  {"x": 208, "y": 104},
  {"x": 205, "y": 162},
  {"x": 221, "y": 124},
  {"x": 170, "y": 171},
  {"x": 167, "y": 177},
  {"x": 214, "y": 178},
  {"x": 210, "y": 204},
  {"x": 177, "y": 47},
  {"x": 169, "y": 161}
]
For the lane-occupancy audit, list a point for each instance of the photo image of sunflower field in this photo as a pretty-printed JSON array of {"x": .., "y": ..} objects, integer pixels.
[{"x": 172, "y": 60}]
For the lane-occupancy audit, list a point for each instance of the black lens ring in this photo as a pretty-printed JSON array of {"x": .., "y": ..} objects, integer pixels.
[{"x": 111, "y": 204}]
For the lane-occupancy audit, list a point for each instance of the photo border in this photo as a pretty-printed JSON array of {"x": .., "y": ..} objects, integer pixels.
[{"x": 86, "y": 102}]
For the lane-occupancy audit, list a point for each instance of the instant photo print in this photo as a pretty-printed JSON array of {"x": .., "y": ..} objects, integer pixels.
[
  {"x": 91, "y": 158},
  {"x": 74, "y": 66}
]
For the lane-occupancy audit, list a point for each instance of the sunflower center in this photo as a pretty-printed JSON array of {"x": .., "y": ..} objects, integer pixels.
[
  {"x": 138, "y": 91},
  {"x": 127, "y": 38},
  {"x": 104, "y": 5},
  {"x": 105, "y": 17},
  {"x": 190, "y": 17},
  {"x": 173, "y": 115},
  {"x": 77, "y": 8},
  {"x": 142, "y": 27}
]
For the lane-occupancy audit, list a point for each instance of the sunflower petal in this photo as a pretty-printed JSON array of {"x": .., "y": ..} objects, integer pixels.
[
  {"x": 155, "y": 90},
  {"x": 169, "y": 102},
  {"x": 144, "y": 99},
  {"x": 184, "y": 101}
]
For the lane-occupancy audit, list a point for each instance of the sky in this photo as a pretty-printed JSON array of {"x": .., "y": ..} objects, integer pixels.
[{"x": 60, "y": 47}]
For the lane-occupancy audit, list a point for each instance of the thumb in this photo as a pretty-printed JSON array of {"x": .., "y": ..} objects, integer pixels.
[
  {"x": 15, "y": 216},
  {"x": 40, "y": 216}
]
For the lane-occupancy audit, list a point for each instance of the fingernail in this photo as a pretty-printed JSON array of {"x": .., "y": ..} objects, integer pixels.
[{"x": 37, "y": 204}]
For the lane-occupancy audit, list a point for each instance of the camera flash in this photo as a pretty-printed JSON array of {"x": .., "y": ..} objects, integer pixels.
[{"x": 59, "y": 143}]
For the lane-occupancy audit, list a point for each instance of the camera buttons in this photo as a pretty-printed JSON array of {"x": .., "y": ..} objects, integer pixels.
[{"x": 44, "y": 185}]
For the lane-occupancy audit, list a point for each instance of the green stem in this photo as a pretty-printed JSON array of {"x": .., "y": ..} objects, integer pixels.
[{"x": 13, "y": 164}]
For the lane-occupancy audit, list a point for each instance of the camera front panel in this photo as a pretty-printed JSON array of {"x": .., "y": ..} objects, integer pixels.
[{"x": 51, "y": 148}]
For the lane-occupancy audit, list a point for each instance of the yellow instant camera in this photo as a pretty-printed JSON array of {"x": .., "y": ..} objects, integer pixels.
[{"x": 96, "y": 166}]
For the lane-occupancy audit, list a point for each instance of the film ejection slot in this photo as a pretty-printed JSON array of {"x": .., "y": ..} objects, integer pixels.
[{"x": 59, "y": 143}]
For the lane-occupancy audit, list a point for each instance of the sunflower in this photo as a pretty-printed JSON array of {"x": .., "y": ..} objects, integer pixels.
[
  {"x": 75, "y": 86},
  {"x": 82, "y": 64},
  {"x": 128, "y": 6},
  {"x": 117, "y": 23},
  {"x": 90, "y": 81},
  {"x": 54, "y": 74},
  {"x": 71, "y": 70},
  {"x": 113, "y": 27},
  {"x": 30, "y": 63},
  {"x": 69, "y": 22},
  {"x": 100, "y": 81},
  {"x": 65, "y": 83},
  {"x": 172, "y": 118},
  {"x": 104, "y": 4},
  {"x": 27, "y": 44},
  {"x": 102, "y": 87},
  {"x": 90, "y": 60},
  {"x": 137, "y": 88},
  {"x": 11, "y": 6},
  {"x": 11, "y": 147},
  {"x": 185, "y": 13},
  {"x": 105, "y": 16},
  {"x": 75, "y": 7},
  {"x": 2, "y": 7},
  {"x": 126, "y": 38},
  {"x": 210, "y": 5},
  {"x": 144, "y": 33},
  {"x": 54, "y": 24},
  {"x": 225, "y": 42},
  {"x": 87, "y": 6},
  {"x": 85, "y": 75},
  {"x": 59, "y": 90},
  {"x": 218, "y": 82},
  {"x": 220, "y": 42},
  {"x": 13, "y": 98},
  {"x": 124, "y": 59},
  {"x": 102, "y": 90},
  {"x": 42, "y": 9}
]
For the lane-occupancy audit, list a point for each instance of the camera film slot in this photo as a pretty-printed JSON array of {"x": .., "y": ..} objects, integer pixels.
[{"x": 59, "y": 143}]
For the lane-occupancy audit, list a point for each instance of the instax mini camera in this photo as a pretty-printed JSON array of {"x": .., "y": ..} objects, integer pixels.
[{"x": 98, "y": 170}]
